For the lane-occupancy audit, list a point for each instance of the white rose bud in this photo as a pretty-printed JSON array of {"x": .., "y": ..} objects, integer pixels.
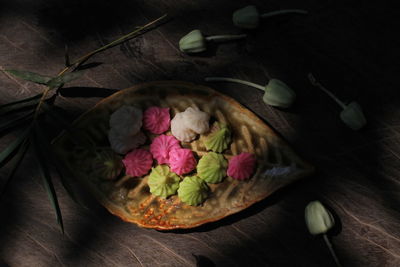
[
  {"x": 246, "y": 18},
  {"x": 276, "y": 92},
  {"x": 195, "y": 42},
  {"x": 249, "y": 17},
  {"x": 352, "y": 114},
  {"x": 318, "y": 219}
]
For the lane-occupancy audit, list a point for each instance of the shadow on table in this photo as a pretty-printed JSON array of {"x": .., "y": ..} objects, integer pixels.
[{"x": 346, "y": 56}]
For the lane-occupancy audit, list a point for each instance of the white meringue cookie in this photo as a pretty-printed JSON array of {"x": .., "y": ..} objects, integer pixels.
[
  {"x": 127, "y": 120},
  {"x": 123, "y": 143},
  {"x": 196, "y": 120},
  {"x": 180, "y": 130}
]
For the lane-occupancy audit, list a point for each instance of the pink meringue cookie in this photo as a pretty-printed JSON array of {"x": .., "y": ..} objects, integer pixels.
[
  {"x": 241, "y": 167},
  {"x": 161, "y": 146},
  {"x": 156, "y": 120},
  {"x": 182, "y": 161},
  {"x": 138, "y": 162}
]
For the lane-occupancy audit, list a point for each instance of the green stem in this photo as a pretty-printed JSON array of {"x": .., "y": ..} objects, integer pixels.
[
  {"x": 113, "y": 43},
  {"x": 328, "y": 243},
  {"x": 223, "y": 79},
  {"x": 284, "y": 11},
  {"x": 225, "y": 38},
  {"x": 41, "y": 101},
  {"x": 84, "y": 58},
  {"x": 317, "y": 84}
]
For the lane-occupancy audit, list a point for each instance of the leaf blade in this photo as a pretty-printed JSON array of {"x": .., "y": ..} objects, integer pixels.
[
  {"x": 13, "y": 146},
  {"x": 47, "y": 181},
  {"x": 8, "y": 125},
  {"x": 29, "y": 99},
  {"x": 18, "y": 159},
  {"x": 60, "y": 168},
  {"x": 63, "y": 79},
  {"x": 29, "y": 76}
]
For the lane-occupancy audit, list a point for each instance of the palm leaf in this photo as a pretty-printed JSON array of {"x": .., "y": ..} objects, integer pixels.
[
  {"x": 5, "y": 154},
  {"x": 19, "y": 121},
  {"x": 65, "y": 176},
  {"x": 19, "y": 108},
  {"x": 29, "y": 99},
  {"x": 46, "y": 177},
  {"x": 17, "y": 161},
  {"x": 29, "y": 76},
  {"x": 63, "y": 79}
]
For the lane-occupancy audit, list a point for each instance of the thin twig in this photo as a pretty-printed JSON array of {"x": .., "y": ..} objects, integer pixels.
[{"x": 84, "y": 58}]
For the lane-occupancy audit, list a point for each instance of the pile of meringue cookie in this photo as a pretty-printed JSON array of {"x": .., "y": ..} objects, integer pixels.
[{"x": 174, "y": 169}]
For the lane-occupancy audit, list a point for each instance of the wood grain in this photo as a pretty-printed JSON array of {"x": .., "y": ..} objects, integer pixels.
[{"x": 350, "y": 47}]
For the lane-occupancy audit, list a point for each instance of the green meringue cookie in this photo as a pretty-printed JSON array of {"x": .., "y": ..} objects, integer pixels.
[
  {"x": 162, "y": 182},
  {"x": 193, "y": 191},
  {"x": 219, "y": 140},
  {"x": 212, "y": 167},
  {"x": 107, "y": 165}
]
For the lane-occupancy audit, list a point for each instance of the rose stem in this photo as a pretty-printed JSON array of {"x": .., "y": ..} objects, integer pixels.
[
  {"x": 317, "y": 84},
  {"x": 223, "y": 79},
  {"x": 223, "y": 38},
  {"x": 281, "y": 12},
  {"x": 328, "y": 243}
]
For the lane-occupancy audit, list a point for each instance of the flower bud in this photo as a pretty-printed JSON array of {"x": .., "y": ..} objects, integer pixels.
[
  {"x": 318, "y": 219},
  {"x": 353, "y": 116},
  {"x": 193, "y": 42},
  {"x": 278, "y": 94},
  {"x": 246, "y": 18}
]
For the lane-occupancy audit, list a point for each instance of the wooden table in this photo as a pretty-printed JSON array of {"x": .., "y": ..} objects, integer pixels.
[{"x": 349, "y": 47}]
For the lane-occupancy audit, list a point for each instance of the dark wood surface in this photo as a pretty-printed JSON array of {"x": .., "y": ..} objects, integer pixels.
[{"x": 351, "y": 47}]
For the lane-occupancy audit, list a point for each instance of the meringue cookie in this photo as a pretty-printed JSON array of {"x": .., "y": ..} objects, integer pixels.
[
  {"x": 127, "y": 120},
  {"x": 156, "y": 120},
  {"x": 162, "y": 182},
  {"x": 123, "y": 143},
  {"x": 138, "y": 162},
  {"x": 180, "y": 130},
  {"x": 182, "y": 161},
  {"x": 107, "y": 165},
  {"x": 196, "y": 120},
  {"x": 193, "y": 191},
  {"x": 161, "y": 146},
  {"x": 219, "y": 138},
  {"x": 212, "y": 167},
  {"x": 241, "y": 167}
]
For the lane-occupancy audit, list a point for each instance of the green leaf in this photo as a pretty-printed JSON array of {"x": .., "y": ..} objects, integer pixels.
[
  {"x": 60, "y": 167},
  {"x": 19, "y": 121},
  {"x": 19, "y": 108},
  {"x": 29, "y": 99},
  {"x": 48, "y": 184},
  {"x": 17, "y": 161},
  {"x": 4, "y": 155},
  {"x": 29, "y": 76},
  {"x": 65, "y": 78}
]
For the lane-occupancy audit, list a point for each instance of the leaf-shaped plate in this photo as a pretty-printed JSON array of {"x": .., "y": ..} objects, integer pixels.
[{"x": 130, "y": 199}]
